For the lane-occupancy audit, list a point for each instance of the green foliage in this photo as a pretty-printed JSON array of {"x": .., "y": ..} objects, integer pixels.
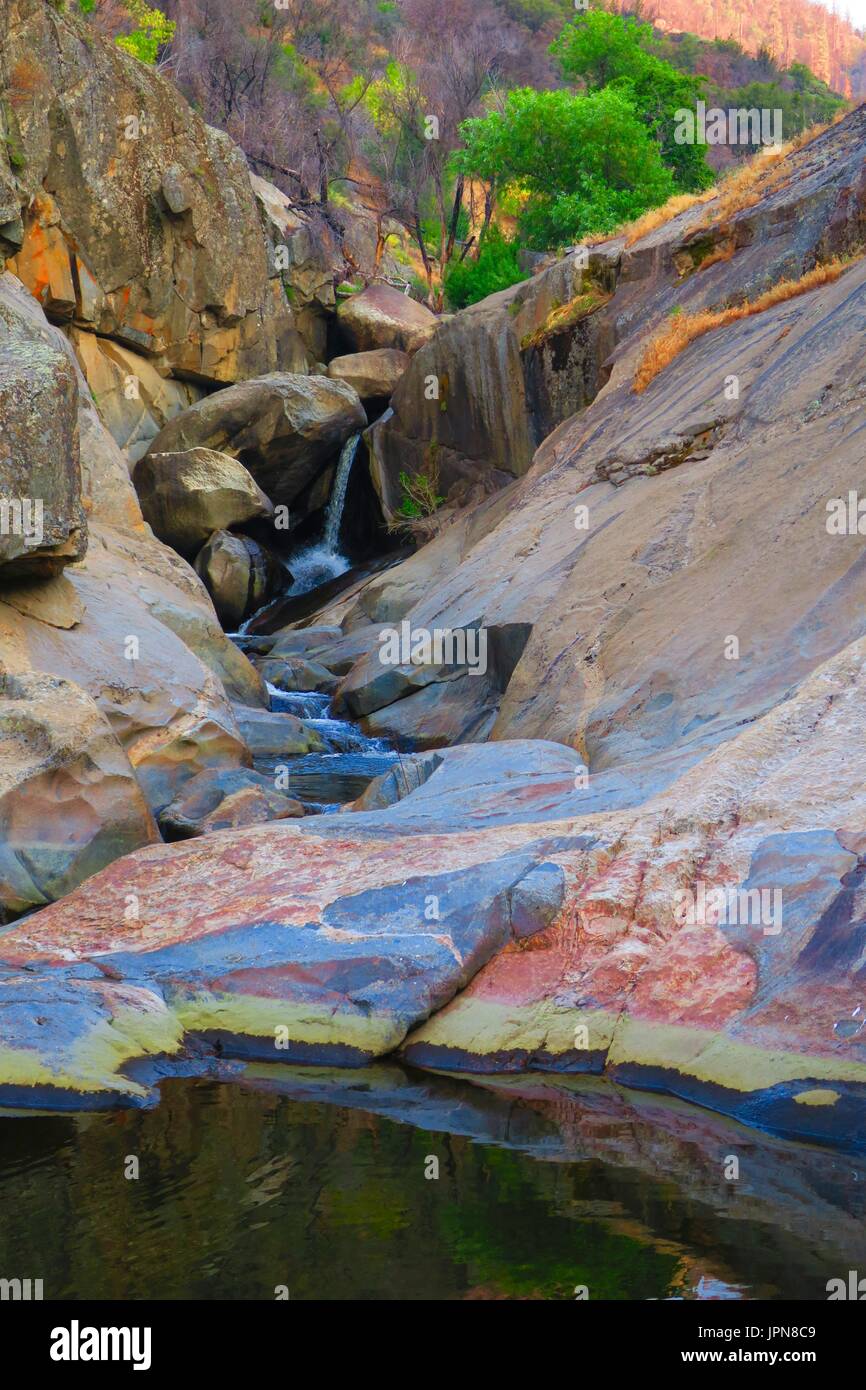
[
  {"x": 497, "y": 267},
  {"x": 584, "y": 163},
  {"x": 154, "y": 31},
  {"x": 87, "y": 6},
  {"x": 420, "y": 498},
  {"x": 607, "y": 51}
]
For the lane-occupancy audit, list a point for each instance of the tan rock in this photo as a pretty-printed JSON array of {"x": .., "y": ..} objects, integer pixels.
[
  {"x": 240, "y": 574},
  {"x": 186, "y": 497},
  {"x": 134, "y": 399},
  {"x": 127, "y": 243},
  {"x": 69, "y": 800},
  {"x": 286, "y": 429},
  {"x": 374, "y": 375},
  {"x": 382, "y": 317}
]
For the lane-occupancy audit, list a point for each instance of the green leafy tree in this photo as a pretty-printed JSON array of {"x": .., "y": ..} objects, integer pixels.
[
  {"x": 582, "y": 163},
  {"x": 153, "y": 31},
  {"x": 602, "y": 50}
]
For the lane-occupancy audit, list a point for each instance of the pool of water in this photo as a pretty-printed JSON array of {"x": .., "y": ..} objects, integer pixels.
[{"x": 385, "y": 1184}]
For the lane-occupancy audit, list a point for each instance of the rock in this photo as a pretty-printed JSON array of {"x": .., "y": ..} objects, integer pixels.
[
  {"x": 275, "y": 735},
  {"x": 240, "y": 575},
  {"x": 509, "y": 369},
  {"x": 118, "y": 182},
  {"x": 305, "y": 641},
  {"x": 374, "y": 375},
  {"x": 406, "y": 775},
  {"x": 559, "y": 936},
  {"x": 226, "y": 800},
  {"x": 135, "y": 400},
  {"x": 295, "y": 673},
  {"x": 305, "y": 253},
  {"x": 186, "y": 497},
  {"x": 42, "y": 524},
  {"x": 54, "y": 601},
  {"x": 382, "y": 317},
  {"x": 131, "y": 624},
  {"x": 69, "y": 801},
  {"x": 284, "y": 428}
]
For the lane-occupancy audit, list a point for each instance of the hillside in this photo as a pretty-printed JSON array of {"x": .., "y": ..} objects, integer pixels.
[{"x": 798, "y": 32}]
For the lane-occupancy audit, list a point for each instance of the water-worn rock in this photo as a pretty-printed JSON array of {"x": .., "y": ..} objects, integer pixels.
[
  {"x": 271, "y": 735},
  {"x": 374, "y": 375},
  {"x": 240, "y": 574},
  {"x": 131, "y": 624},
  {"x": 284, "y": 428},
  {"x": 69, "y": 801},
  {"x": 296, "y": 673},
  {"x": 509, "y": 369},
  {"x": 135, "y": 400},
  {"x": 118, "y": 182},
  {"x": 186, "y": 497},
  {"x": 591, "y": 962},
  {"x": 42, "y": 524},
  {"x": 382, "y": 317},
  {"x": 226, "y": 800}
]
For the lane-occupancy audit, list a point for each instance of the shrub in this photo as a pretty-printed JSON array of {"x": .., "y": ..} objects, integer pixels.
[{"x": 497, "y": 267}]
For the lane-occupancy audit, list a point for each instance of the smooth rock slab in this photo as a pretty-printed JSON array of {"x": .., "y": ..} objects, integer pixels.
[{"x": 309, "y": 957}]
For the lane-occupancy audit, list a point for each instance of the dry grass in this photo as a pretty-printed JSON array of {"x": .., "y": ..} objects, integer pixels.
[
  {"x": 740, "y": 189},
  {"x": 566, "y": 316},
  {"x": 723, "y": 252},
  {"x": 749, "y": 183},
  {"x": 682, "y": 329},
  {"x": 655, "y": 217}
]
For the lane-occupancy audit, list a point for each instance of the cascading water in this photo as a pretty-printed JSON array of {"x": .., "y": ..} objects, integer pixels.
[{"x": 323, "y": 561}]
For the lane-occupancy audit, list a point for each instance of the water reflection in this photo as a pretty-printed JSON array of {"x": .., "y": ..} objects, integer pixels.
[{"x": 315, "y": 1179}]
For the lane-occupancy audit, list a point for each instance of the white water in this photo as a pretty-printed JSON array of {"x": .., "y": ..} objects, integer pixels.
[{"x": 316, "y": 564}]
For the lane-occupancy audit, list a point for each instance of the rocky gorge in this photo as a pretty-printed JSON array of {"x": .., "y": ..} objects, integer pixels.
[{"x": 668, "y": 710}]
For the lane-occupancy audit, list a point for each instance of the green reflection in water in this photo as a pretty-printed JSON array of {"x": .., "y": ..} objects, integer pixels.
[{"x": 241, "y": 1190}]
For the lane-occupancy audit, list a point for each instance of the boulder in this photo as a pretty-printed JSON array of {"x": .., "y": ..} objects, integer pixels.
[
  {"x": 382, "y": 317},
  {"x": 284, "y": 428},
  {"x": 186, "y": 497},
  {"x": 374, "y": 375},
  {"x": 42, "y": 523},
  {"x": 304, "y": 251},
  {"x": 273, "y": 735},
  {"x": 69, "y": 800},
  {"x": 131, "y": 623},
  {"x": 226, "y": 800},
  {"x": 118, "y": 179},
  {"x": 240, "y": 575},
  {"x": 295, "y": 673}
]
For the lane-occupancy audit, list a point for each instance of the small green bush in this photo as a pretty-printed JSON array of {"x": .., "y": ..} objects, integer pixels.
[{"x": 497, "y": 267}]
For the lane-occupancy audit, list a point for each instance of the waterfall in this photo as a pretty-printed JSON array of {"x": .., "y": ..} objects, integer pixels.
[
  {"x": 317, "y": 563},
  {"x": 334, "y": 514}
]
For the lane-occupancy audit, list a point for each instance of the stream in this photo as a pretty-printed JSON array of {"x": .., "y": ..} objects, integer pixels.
[{"x": 325, "y": 781}]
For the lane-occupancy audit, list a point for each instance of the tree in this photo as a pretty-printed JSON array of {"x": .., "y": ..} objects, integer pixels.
[
  {"x": 580, "y": 163},
  {"x": 602, "y": 50},
  {"x": 417, "y": 109}
]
